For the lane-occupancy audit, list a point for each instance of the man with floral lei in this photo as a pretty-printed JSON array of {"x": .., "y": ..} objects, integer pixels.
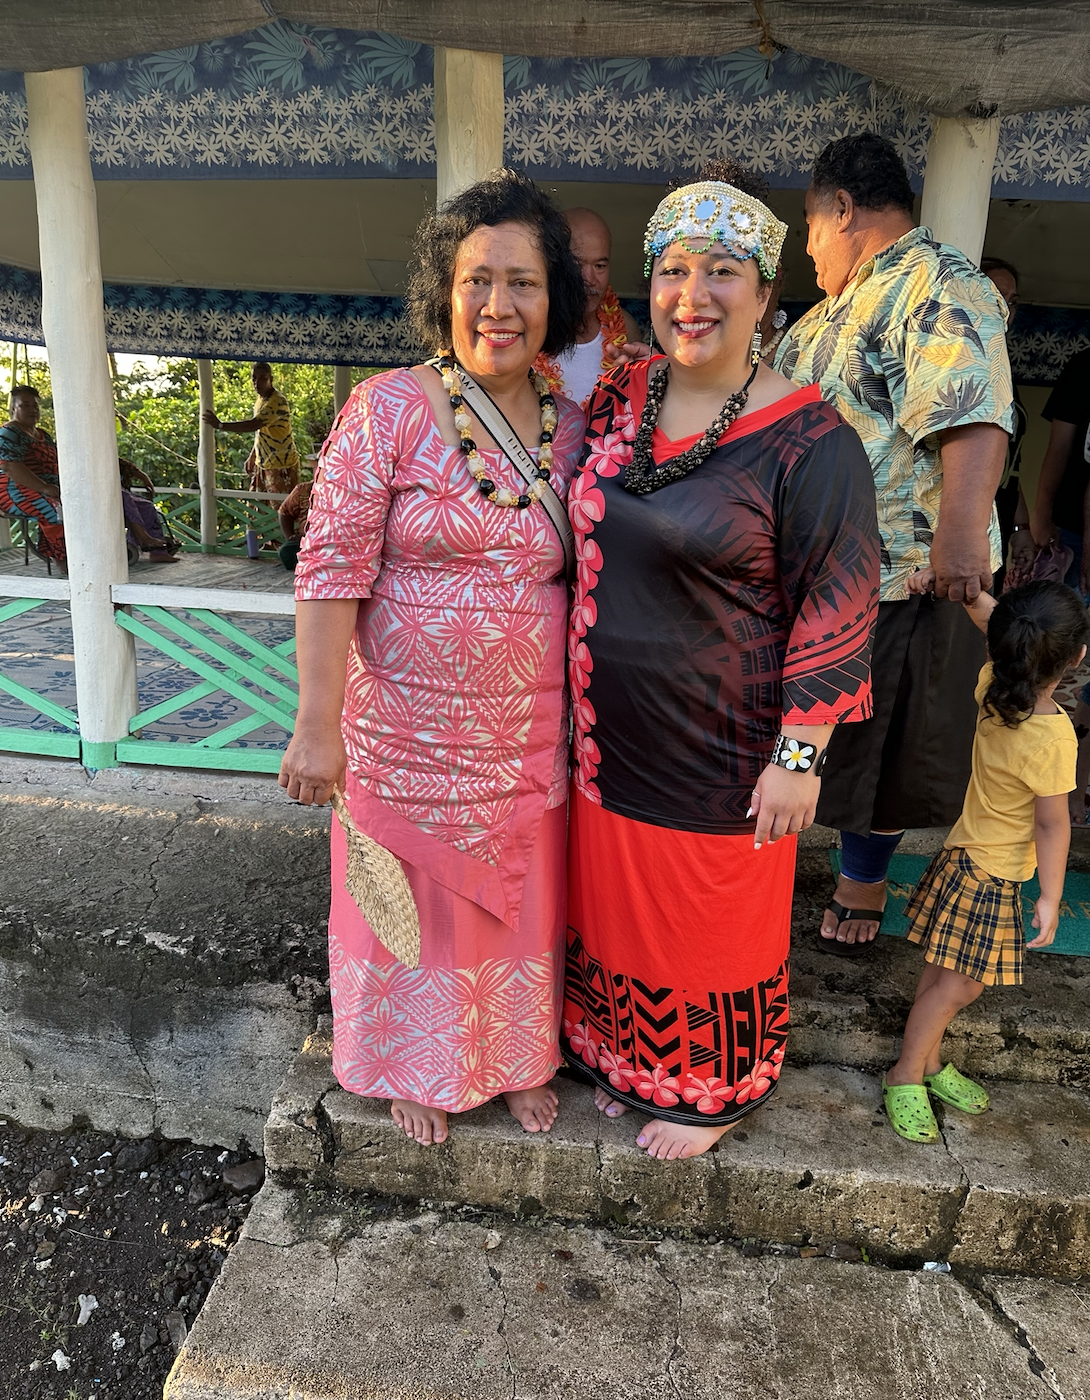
[{"x": 607, "y": 331}]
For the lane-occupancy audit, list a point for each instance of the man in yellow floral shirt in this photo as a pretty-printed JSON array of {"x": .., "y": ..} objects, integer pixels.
[
  {"x": 274, "y": 463},
  {"x": 910, "y": 346}
]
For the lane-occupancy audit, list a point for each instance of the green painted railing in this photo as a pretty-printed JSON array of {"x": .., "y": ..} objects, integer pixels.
[
  {"x": 262, "y": 678},
  {"x": 19, "y": 739},
  {"x": 236, "y": 512}
]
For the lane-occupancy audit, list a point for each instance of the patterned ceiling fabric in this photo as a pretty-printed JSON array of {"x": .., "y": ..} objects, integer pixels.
[
  {"x": 197, "y": 323},
  {"x": 946, "y": 57},
  {"x": 342, "y": 330},
  {"x": 289, "y": 101}
]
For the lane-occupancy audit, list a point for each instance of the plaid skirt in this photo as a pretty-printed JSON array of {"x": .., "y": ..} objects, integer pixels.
[{"x": 968, "y": 920}]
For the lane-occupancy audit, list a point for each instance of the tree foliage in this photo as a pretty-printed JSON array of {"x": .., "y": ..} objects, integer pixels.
[{"x": 159, "y": 418}]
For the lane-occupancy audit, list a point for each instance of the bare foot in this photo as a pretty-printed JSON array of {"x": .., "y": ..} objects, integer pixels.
[
  {"x": 854, "y": 895},
  {"x": 535, "y": 1109},
  {"x": 668, "y": 1141},
  {"x": 424, "y": 1125},
  {"x": 607, "y": 1105},
  {"x": 160, "y": 556}
]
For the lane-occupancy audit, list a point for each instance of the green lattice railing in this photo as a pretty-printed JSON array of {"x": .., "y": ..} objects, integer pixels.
[
  {"x": 20, "y": 739},
  {"x": 261, "y": 677},
  {"x": 235, "y": 514}
]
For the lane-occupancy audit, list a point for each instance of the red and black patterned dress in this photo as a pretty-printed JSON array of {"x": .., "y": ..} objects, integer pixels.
[{"x": 707, "y": 614}]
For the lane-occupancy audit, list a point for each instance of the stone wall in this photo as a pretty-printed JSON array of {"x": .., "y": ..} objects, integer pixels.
[{"x": 162, "y": 947}]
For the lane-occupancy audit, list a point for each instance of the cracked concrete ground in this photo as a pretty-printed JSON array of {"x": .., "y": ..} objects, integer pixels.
[
  {"x": 819, "y": 1163},
  {"x": 162, "y": 948},
  {"x": 320, "y": 1302}
]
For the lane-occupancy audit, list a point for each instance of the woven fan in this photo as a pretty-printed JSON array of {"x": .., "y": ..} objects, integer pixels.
[{"x": 377, "y": 883}]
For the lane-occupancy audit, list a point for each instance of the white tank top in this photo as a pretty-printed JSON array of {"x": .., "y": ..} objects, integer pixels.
[{"x": 581, "y": 366}]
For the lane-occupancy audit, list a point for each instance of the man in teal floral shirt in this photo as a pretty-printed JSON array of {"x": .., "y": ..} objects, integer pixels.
[{"x": 910, "y": 345}]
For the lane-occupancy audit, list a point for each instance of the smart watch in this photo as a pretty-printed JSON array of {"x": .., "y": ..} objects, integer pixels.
[{"x": 798, "y": 756}]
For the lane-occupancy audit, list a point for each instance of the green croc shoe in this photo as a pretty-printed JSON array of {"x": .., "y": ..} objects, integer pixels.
[
  {"x": 909, "y": 1111},
  {"x": 957, "y": 1090}
]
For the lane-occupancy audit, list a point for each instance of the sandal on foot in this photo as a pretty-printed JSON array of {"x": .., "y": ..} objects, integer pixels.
[
  {"x": 957, "y": 1089},
  {"x": 845, "y": 915},
  {"x": 909, "y": 1111}
]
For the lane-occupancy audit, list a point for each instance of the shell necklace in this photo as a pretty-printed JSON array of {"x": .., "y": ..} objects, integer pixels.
[
  {"x": 499, "y": 495},
  {"x": 642, "y": 475}
]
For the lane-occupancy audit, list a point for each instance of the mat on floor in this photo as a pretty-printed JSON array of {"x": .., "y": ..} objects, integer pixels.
[{"x": 1072, "y": 937}]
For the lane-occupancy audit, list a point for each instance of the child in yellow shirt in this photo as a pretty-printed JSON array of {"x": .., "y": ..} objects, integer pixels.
[{"x": 967, "y": 908}]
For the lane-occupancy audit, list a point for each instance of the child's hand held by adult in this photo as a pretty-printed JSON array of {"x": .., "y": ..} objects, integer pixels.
[{"x": 922, "y": 581}]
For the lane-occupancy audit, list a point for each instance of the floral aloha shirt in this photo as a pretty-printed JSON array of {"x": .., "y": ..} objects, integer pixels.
[{"x": 915, "y": 343}]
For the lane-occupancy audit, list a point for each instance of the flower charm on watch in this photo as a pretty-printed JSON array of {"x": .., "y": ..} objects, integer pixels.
[{"x": 797, "y": 756}]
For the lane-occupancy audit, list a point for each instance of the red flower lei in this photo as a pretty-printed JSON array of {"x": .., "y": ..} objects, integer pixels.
[{"x": 613, "y": 332}]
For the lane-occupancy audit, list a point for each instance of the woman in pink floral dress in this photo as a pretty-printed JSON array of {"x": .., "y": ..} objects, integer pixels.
[{"x": 432, "y": 578}]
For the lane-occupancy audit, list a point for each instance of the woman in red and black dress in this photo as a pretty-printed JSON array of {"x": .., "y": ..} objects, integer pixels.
[{"x": 725, "y": 603}]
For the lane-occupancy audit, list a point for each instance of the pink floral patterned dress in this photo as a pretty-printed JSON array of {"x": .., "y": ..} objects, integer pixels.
[{"x": 456, "y": 727}]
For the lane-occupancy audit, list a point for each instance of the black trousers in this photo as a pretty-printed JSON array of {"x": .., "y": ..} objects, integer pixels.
[{"x": 909, "y": 765}]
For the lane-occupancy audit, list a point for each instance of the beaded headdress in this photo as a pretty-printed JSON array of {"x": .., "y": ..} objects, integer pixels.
[{"x": 721, "y": 214}]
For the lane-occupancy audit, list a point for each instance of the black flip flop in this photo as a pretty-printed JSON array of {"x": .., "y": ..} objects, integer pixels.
[{"x": 845, "y": 915}]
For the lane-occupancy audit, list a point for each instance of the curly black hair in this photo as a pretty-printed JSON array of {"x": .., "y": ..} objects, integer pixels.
[
  {"x": 1034, "y": 633},
  {"x": 506, "y": 196},
  {"x": 868, "y": 167}
]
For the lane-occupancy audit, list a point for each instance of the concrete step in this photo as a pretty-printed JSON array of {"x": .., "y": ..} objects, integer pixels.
[
  {"x": 1009, "y": 1190},
  {"x": 162, "y": 947},
  {"x": 852, "y": 1011},
  {"x": 322, "y": 1300}
]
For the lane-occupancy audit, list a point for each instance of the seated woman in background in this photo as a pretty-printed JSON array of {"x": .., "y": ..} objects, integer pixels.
[
  {"x": 142, "y": 520},
  {"x": 29, "y": 478},
  {"x": 293, "y": 522}
]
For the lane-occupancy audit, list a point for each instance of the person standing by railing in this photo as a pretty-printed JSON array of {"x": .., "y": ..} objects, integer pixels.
[{"x": 273, "y": 465}]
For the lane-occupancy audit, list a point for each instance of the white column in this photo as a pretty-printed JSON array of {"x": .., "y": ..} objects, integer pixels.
[
  {"x": 206, "y": 459},
  {"x": 957, "y": 185},
  {"x": 468, "y": 118},
  {"x": 72, "y": 318},
  {"x": 342, "y": 386}
]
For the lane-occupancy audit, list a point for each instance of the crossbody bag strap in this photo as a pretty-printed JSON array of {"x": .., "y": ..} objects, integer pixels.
[{"x": 511, "y": 446}]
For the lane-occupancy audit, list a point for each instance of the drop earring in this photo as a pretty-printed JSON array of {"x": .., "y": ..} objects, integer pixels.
[{"x": 757, "y": 342}]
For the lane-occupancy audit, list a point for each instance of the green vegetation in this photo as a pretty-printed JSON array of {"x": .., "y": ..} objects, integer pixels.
[
  {"x": 158, "y": 422},
  {"x": 158, "y": 418}
]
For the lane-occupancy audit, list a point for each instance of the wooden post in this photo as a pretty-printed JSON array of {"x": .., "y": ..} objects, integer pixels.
[
  {"x": 342, "y": 387},
  {"x": 957, "y": 184},
  {"x": 83, "y": 405},
  {"x": 206, "y": 460},
  {"x": 468, "y": 118}
]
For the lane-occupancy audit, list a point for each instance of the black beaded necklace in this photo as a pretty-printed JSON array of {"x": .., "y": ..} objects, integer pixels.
[{"x": 642, "y": 475}]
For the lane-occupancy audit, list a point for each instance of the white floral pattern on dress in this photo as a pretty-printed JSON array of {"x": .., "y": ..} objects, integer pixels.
[
  {"x": 492, "y": 1029},
  {"x": 452, "y": 649}
]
